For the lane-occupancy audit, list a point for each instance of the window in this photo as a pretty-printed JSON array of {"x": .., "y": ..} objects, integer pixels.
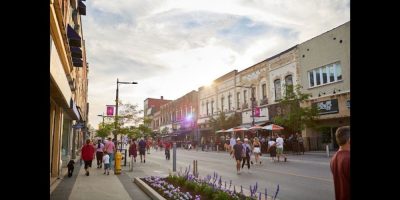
[
  {"x": 238, "y": 100},
  {"x": 212, "y": 107},
  {"x": 311, "y": 76},
  {"x": 229, "y": 102},
  {"x": 289, "y": 80},
  {"x": 207, "y": 108},
  {"x": 318, "y": 75},
  {"x": 245, "y": 96},
  {"x": 331, "y": 73},
  {"x": 277, "y": 84},
  {"x": 326, "y": 74},
  {"x": 222, "y": 103},
  {"x": 264, "y": 91},
  {"x": 338, "y": 71}
]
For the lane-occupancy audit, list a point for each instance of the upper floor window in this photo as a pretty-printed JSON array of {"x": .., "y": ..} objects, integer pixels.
[
  {"x": 229, "y": 102},
  {"x": 222, "y": 103},
  {"x": 264, "y": 90},
  {"x": 212, "y": 107},
  {"x": 289, "y": 80},
  {"x": 207, "y": 108},
  {"x": 325, "y": 75},
  {"x": 238, "y": 100},
  {"x": 277, "y": 84},
  {"x": 245, "y": 96}
]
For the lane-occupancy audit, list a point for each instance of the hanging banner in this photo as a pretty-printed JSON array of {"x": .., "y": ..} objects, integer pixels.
[
  {"x": 110, "y": 110},
  {"x": 257, "y": 112}
]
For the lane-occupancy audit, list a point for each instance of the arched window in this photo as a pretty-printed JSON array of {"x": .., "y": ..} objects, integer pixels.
[
  {"x": 277, "y": 84},
  {"x": 289, "y": 80}
]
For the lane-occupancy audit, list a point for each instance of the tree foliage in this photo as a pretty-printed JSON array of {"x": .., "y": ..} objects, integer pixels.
[
  {"x": 294, "y": 117},
  {"x": 224, "y": 122}
]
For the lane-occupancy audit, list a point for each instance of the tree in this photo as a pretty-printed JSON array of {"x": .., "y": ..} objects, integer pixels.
[
  {"x": 294, "y": 117},
  {"x": 127, "y": 113},
  {"x": 223, "y": 122},
  {"x": 105, "y": 130}
]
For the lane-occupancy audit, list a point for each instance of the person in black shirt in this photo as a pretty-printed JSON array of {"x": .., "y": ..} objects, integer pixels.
[{"x": 237, "y": 153}]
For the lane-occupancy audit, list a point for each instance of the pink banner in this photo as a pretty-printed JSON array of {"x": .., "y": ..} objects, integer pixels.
[
  {"x": 257, "y": 111},
  {"x": 110, "y": 110}
]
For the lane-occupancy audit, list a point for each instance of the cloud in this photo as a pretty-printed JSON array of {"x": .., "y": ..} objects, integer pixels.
[{"x": 173, "y": 47}]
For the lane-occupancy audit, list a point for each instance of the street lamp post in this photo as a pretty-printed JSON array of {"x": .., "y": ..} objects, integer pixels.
[
  {"x": 103, "y": 118},
  {"x": 116, "y": 106}
]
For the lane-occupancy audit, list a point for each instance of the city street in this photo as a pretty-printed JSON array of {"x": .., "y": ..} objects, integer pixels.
[{"x": 305, "y": 177}]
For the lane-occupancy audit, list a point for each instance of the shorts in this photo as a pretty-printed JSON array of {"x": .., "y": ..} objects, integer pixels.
[
  {"x": 142, "y": 151},
  {"x": 238, "y": 157},
  {"x": 88, "y": 163},
  {"x": 107, "y": 166},
  {"x": 279, "y": 151},
  {"x": 256, "y": 150}
]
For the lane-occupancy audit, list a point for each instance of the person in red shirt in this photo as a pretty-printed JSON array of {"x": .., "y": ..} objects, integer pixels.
[
  {"x": 87, "y": 155},
  {"x": 340, "y": 164}
]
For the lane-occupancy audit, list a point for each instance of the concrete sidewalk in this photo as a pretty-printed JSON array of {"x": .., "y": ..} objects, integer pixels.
[{"x": 97, "y": 186}]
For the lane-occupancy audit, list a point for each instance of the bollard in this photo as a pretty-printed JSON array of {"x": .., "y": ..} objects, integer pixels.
[
  {"x": 174, "y": 157},
  {"x": 327, "y": 150}
]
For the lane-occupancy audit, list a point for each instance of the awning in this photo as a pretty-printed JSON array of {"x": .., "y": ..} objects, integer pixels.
[
  {"x": 76, "y": 52},
  {"x": 73, "y": 110},
  {"x": 77, "y": 62},
  {"x": 82, "y": 8},
  {"x": 73, "y": 37}
]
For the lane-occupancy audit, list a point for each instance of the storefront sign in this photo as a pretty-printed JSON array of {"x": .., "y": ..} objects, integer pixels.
[{"x": 327, "y": 107}]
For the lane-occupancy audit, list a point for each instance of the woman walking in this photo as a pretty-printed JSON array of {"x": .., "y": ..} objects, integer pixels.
[
  {"x": 257, "y": 149},
  {"x": 99, "y": 153},
  {"x": 132, "y": 153}
]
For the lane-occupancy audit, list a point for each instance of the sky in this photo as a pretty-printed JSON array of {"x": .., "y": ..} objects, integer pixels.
[{"x": 171, "y": 47}]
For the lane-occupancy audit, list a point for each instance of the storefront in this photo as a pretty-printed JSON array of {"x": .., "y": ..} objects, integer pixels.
[{"x": 333, "y": 112}]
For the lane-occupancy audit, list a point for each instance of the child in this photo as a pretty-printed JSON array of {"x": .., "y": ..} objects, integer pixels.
[{"x": 106, "y": 161}]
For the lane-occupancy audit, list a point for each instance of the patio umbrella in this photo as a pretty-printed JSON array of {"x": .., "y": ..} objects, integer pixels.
[
  {"x": 273, "y": 127},
  {"x": 256, "y": 127},
  {"x": 221, "y": 131},
  {"x": 240, "y": 129}
]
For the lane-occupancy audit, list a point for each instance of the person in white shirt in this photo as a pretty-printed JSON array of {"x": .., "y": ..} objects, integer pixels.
[
  {"x": 232, "y": 142},
  {"x": 106, "y": 161},
  {"x": 279, "y": 147}
]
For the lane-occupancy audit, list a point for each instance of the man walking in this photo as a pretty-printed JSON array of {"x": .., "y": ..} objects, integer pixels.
[
  {"x": 109, "y": 147},
  {"x": 279, "y": 147},
  {"x": 340, "y": 164},
  {"x": 237, "y": 154}
]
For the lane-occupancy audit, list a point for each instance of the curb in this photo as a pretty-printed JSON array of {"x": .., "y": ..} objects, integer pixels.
[{"x": 148, "y": 190}]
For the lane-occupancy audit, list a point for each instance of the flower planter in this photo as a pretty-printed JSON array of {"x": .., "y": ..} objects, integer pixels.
[{"x": 188, "y": 187}]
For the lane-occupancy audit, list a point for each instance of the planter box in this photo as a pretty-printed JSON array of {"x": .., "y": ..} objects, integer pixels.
[{"x": 148, "y": 190}]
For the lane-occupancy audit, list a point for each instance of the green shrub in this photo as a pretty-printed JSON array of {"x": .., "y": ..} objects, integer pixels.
[
  {"x": 221, "y": 196},
  {"x": 190, "y": 185}
]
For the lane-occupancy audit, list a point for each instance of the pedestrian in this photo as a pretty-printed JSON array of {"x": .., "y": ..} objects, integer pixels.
[
  {"x": 167, "y": 150},
  {"x": 87, "y": 154},
  {"x": 109, "y": 147},
  {"x": 340, "y": 164},
  {"x": 99, "y": 153},
  {"x": 246, "y": 153},
  {"x": 142, "y": 150},
  {"x": 232, "y": 143},
  {"x": 272, "y": 148},
  {"x": 237, "y": 154},
  {"x": 279, "y": 147},
  {"x": 106, "y": 160},
  {"x": 257, "y": 150},
  {"x": 132, "y": 153},
  {"x": 300, "y": 141}
]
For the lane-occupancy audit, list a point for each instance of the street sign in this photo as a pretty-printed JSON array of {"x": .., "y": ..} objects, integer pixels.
[{"x": 79, "y": 125}]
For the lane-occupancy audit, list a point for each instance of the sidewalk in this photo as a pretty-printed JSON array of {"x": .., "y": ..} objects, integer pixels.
[{"x": 97, "y": 186}]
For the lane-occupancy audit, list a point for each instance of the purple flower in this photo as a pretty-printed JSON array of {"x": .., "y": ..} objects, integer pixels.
[{"x": 259, "y": 196}]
